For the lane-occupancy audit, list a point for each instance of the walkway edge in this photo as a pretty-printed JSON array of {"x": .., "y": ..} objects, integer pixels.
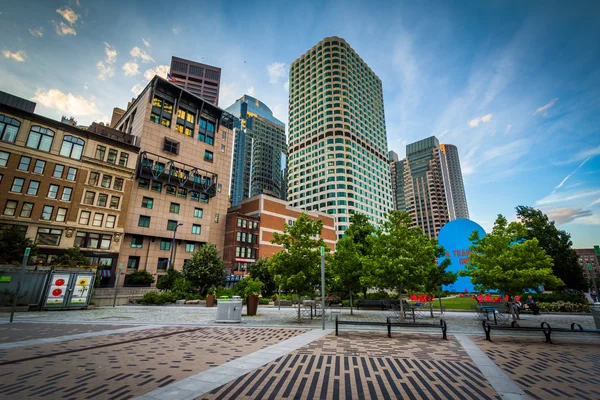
[
  {"x": 502, "y": 384},
  {"x": 206, "y": 381}
]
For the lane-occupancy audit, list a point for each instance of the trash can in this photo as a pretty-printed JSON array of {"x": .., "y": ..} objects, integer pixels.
[
  {"x": 596, "y": 314},
  {"x": 229, "y": 310}
]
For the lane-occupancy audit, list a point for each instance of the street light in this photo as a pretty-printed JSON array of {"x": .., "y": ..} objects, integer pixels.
[{"x": 173, "y": 244}]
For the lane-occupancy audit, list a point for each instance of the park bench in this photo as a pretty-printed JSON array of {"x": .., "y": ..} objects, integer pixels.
[
  {"x": 389, "y": 324},
  {"x": 369, "y": 303},
  {"x": 544, "y": 328}
]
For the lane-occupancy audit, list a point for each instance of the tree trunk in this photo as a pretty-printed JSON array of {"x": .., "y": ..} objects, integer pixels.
[
  {"x": 299, "y": 319},
  {"x": 351, "y": 312},
  {"x": 401, "y": 305},
  {"x": 431, "y": 306}
]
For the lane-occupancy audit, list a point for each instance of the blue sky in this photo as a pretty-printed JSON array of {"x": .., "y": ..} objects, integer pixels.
[{"x": 515, "y": 85}]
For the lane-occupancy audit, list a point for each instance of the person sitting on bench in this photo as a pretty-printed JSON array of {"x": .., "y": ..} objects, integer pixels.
[
  {"x": 514, "y": 306},
  {"x": 531, "y": 305}
]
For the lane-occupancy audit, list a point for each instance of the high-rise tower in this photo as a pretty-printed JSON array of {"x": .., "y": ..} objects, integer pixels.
[
  {"x": 199, "y": 79},
  {"x": 338, "y": 161},
  {"x": 457, "y": 187}
]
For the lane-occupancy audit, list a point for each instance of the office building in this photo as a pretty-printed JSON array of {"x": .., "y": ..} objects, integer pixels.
[
  {"x": 590, "y": 257},
  {"x": 260, "y": 151},
  {"x": 250, "y": 228},
  {"x": 397, "y": 175},
  {"x": 456, "y": 189},
  {"x": 181, "y": 179},
  {"x": 337, "y": 147},
  {"x": 199, "y": 79},
  {"x": 65, "y": 186}
]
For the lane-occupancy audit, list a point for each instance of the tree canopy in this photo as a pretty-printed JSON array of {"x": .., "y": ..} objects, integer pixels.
[
  {"x": 346, "y": 266},
  {"x": 72, "y": 258},
  {"x": 436, "y": 274},
  {"x": 205, "y": 268},
  {"x": 13, "y": 243},
  {"x": 260, "y": 271},
  {"x": 506, "y": 261}
]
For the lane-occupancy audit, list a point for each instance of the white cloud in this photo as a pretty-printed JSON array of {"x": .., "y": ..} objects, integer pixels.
[
  {"x": 131, "y": 69},
  {"x": 286, "y": 85},
  {"x": 137, "y": 89},
  {"x": 276, "y": 71},
  {"x": 589, "y": 152},
  {"x": 136, "y": 52},
  {"x": 444, "y": 133},
  {"x": 68, "y": 14},
  {"x": 63, "y": 29},
  {"x": 160, "y": 70},
  {"x": 475, "y": 122},
  {"x": 111, "y": 53},
  {"x": 595, "y": 202},
  {"x": 508, "y": 128},
  {"x": 37, "y": 32},
  {"x": 19, "y": 56},
  {"x": 565, "y": 215},
  {"x": 571, "y": 174},
  {"x": 251, "y": 91},
  {"x": 67, "y": 103},
  {"x": 146, "y": 42},
  {"x": 105, "y": 71},
  {"x": 544, "y": 109},
  {"x": 176, "y": 30},
  {"x": 279, "y": 112},
  {"x": 562, "y": 198},
  {"x": 228, "y": 94}
]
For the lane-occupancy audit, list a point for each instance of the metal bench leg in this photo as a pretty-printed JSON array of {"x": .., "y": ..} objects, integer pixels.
[
  {"x": 547, "y": 334},
  {"x": 487, "y": 330},
  {"x": 336, "y": 325},
  {"x": 444, "y": 328},
  {"x": 389, "y": 326}
]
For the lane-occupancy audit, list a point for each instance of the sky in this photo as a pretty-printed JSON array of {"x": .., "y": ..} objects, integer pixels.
[{"x": 514, "y": 85}]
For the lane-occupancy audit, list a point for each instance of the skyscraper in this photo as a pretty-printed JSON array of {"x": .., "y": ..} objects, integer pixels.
[
  {"x": 260, "y": 151},
  {"x": 200, "y": 79},
  {"x": 338, "y": 161},
  {"x": 457, "y": 188},
  {"x": 397, "y": 174}
]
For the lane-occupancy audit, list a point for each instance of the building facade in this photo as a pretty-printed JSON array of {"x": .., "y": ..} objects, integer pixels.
[
  {"x": 338, "y": 161},
  {"x": 65, "y": 186},
  {"x": 181, "y": 177},
  {"x": 397, "y": 175},
  {"x": 591, "y": 257},
  {"x": 200, "y": 79},
  {"x": 456, "y": 189},
  {"x": 250, "y": 228},
  {"x": 260, "y": 152}
]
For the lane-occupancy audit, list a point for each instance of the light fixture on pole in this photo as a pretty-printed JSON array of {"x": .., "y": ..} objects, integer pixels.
[{"x": 173, "y": 244}]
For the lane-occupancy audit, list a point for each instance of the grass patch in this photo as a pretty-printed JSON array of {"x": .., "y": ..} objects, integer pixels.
[{"x": 456, "y": 303}]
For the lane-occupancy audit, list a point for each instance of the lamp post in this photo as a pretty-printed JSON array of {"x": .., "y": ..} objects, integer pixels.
[{"x": 173, "y": 244}]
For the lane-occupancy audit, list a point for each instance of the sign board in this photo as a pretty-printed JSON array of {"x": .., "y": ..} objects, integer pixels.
[
  {"x": 27, "y": 251},
  {"x": 58, "y": 289},
  {"x": 322, "y": 251},
  {"x": 590, "y": 266},
  {"x": 5, "y": 278},
  {"x": 81, "y": 290}
]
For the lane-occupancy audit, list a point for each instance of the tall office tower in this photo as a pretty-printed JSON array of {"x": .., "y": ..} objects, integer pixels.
[
  {"x": 200, "y": 79},
  {"x": 425, "y": 186},
  {"x": 338, "y": 161},
  {"x": 397, "y": 175},
  {"x": 457, "y": 188},
  {"x": 260, "y": 151}
]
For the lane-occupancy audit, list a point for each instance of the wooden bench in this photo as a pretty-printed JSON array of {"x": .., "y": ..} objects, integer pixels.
[
  {"x": 389, "y": 324},
  {"x": 544, "y": 327},
  {"x": 369, "y": 303}
]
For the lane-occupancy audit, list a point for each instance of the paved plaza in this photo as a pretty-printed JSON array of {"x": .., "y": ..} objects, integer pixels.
[{"x": 170, "y": 352}]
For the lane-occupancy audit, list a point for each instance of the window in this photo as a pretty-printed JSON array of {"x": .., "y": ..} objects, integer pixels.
[
  {"x": 156, "y": 186},
  {"x": 106, "y": 181},
  {"x": 118, "y": 184},
  {"x": 33, "y": 188},
  {"x": 171, "y": 190},
  {"x": 24, "y": 163},
  {"x": 98, "y": 219},
  {"x": 147, "y": 202},
  {"x": 8, "y": 128},
  {"x": 162, "y": 264},
  {"x": 174, "y": 208},
  {"x": 53, "y": 191},
  {"x": 198, "y": 212},
  {"x": 66, "y": 194},
  {"x": 144, "y": 183},
  {"x": 171, "y": 225},
  {"x": 114, "y": 202},
  {"x": 48, "y": 237},
  {"x": 84, "y": 217},
  {"x": 238, "y": 237},
  {"x": 217, "y": 218},
  {"x": 222, "y": 148},
  {"x": 58, "y": 171},
  {"x": 72, "y": 174},
  {"x": 208, "y": 156},
  {"x": 165, "y": 244},
  {"x": 244, "y": 223},
  {"x": 112, "y": 156},
  {"x": 190, "y": 247},
  {"x": 237, "y": 251},
  {"x": 47, "y": 213},
  {"x": 123, "y": 159},
  {"x": 181, "y": 192},
  {"x": 243, "y": 237},
  {"x": 203, "y": 198},
  {"x": 40, "y": 138},
  {"x": 144, "y": 221},
  {"x": 171, "y": 146},
  {"x": 162, "y": 111},
  {"x": 11, "y": 207},
  {"x": 239, "y": 222},
  {"x": 72, "y": 147},
  {"x": 88, "y": 240},
  {"x": 26, "y": 210},
  {"x": 133, "y": 262},
  {"x": 4, "y": 158},
  {"x": 102, "y": 200},
  {"x": 94, "y": 178},
  {"x": 39, "y": 167},
  {"x": 89, "y": 198},
  {"x": 61, "y": 215},
  {"x": 110, "y": 221},
  {"x": 196, "y": 229},
  {"x": 100, "y": 152},
  {"x": 137, "y": 242}
]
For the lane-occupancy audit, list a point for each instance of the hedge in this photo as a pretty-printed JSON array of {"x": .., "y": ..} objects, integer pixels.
[{"x": 562, "y": 306}]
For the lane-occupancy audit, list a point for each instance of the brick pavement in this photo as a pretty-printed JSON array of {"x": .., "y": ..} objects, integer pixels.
[
  {"x": 568, "y": 369},
  {"x": 358, "y": 365},
  {"x": 17, "y": 332}
]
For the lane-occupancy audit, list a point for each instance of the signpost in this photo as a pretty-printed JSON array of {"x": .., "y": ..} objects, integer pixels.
[
  {"x": 117, "y": 284},
  {"x": 19, "y": 282},
  {"x": 593, "y": 274},
  {"x": 323, "y": 286}
]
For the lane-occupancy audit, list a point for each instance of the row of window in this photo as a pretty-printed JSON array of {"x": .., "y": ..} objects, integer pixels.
[
  {"x": 148, "y": 202},
  {"x": 102, "y": 201},
  {"x": 244, "y": 223},
  {"x": 99, "y": 219},
  {"x": 245, "y": 252},
  {"x": 84, "y": 240},
  {"x": 145, "y": 220},
  {"x": 163, "y": 262},
  {"x": 105, "y": 181},
  {"x": 246, "y": 237},
  {"x": 11, "y": 206},
  {"x": 137, "y": 242},
  {"x": 172, "y": 190},
  {"x": 111, "y": 156}
]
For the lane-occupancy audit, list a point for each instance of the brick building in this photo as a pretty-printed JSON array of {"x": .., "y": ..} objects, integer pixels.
[{"x": 589, "y": 256}]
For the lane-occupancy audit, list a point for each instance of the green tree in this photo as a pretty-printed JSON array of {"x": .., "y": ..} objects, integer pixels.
[
  {"x": 361, "y": 230},
  {"x": 13, "y": 243},
  {"x": 72, "y": 258},
  {"x": 400, "y": 255},
  {"x": 167, "y": 281},
  {"x": 557, "y": 244},
  {"x": 260, "y": 271},
  {"x": 504, "y": 260},
  {"x": 436, "y": 275},
  {"x": 298, "y": 263},
  {"x": 346, "y": 266},
  {"x": 205, "y": 268}
]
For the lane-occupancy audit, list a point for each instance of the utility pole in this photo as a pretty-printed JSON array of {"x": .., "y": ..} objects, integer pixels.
[
  {"x": 19, "y": 282},
  {"x": 323, "y": 286},
  {"x": 173, "y": 244}
]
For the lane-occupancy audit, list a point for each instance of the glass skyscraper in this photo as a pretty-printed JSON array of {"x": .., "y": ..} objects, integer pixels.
[{"x": 338, "y": 157}]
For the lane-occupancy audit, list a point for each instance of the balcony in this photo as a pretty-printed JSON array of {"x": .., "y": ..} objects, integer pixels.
[{"x": 171, "y": 172}]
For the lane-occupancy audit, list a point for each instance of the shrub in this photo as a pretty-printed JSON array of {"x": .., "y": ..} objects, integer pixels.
[
  {"x": 555, "y": 297},
  {"x": 159, "y": 298},
  {"x": 263, "y": 301},
  {"x": 167, "y": 281},
  {"x": 346, "y": 303},
  {"x": 253, "y": 287},
  {"x": 275, "y": 297},
  {"x": 222, "y": 291},
  {"x": 562, "y": 306},
  {"x": 141, "y": 277}
]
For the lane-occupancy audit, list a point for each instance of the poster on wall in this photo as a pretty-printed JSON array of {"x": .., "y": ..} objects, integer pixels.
[
  {"x": 58, "y": 289},
  {"x": 81, "y": 289}
]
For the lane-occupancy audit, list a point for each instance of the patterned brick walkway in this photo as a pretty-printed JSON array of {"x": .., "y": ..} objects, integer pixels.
[
  {"x": 19, "y": 331},
  {"x": 109, "y": 369},
  {"x": 358, "y": 365},
  {"x": 567, "y": 369}
]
